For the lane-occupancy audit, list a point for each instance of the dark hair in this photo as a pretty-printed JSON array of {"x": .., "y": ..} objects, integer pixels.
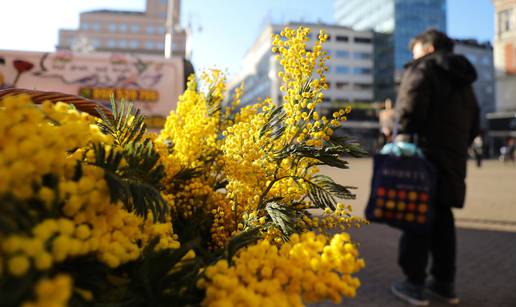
[{"x": 439, "y": 40}]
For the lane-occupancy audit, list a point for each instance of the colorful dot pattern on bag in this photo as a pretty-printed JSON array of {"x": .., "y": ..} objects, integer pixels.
[{"x": 409, "y": 206}]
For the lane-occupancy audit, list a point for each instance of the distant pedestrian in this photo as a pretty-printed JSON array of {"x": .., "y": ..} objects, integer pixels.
[
  {"x": 510, "y": 150},
  {"x": 386, "y": 121},
  {"x": 437, "y": 104},
  {"x": 478, "y": 150}
]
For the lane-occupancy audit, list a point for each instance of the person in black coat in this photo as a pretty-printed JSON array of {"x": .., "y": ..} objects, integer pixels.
[{"x": 436, "y": 108}]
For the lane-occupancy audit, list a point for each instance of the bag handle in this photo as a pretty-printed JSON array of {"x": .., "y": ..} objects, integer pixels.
[{"x": 395, "y": 128}]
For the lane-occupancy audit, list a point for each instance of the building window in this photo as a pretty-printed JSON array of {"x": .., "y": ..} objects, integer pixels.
[
  {"x": 95, "y": 43},
  {"x": 340, "y": 85},
  {"x": 135, "y": 28},
  {"x": 150, "y": 30},
  {"x": 160, "y": 45},
  {"x": 361, "y": 55},
  {"x": 362, "y": 40},
  {"x": 160, "y": 30},
  {"x": 341, "y": 99},
  {"x": 343, "y": 70},
  {"x": 486, "y": 60},
  {"x": 95, "y": 26},
  {"x": 122, "y": 43},
  {"x": 149, "y": 45},
  {"x": 112, "y": 27},
  {"x": 471, "y": 57},
  {"x": 134, "y": 44},
  {"x": 163, "y": 2},
  {"x": 122, "y": 27},
  {"x": 505, "y": 23},
  {"x": 361, "y": 71},
  {"x": 85, "y": 26},
  {"x": 342, "y": 54},
  {"x": 341, "y": 38},
  {"x": 363, "y": 86},
  {"x": 111, "y": 43},
  {"x": 163, "y": 14}
]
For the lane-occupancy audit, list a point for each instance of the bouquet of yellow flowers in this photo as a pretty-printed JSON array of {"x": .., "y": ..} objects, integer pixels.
[{"x": 224, "y": 207}]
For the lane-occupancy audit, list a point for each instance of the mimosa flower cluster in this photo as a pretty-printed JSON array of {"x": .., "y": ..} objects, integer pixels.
[
  {"x": 258, "y": 166},
  {"x": 224, "y": 207},
  {"x": 52, "y": 215},
  {"x": 308, "y": 268}
]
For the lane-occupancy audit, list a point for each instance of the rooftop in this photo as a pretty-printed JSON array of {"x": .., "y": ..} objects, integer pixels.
[
  {"x": 115, "y": 12},
  {"x": 474, "y": 43},
  {"x": 317, "y": 24}
]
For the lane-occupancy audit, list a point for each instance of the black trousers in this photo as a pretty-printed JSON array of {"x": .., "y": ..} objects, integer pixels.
[{"x": 439, "y": 245}]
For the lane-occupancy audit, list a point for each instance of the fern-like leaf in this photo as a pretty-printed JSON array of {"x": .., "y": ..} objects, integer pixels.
[
  {"x": 283, "y": 216},
  {"x": 330, "y": 156},
  {"x": 323, "y": 192},
  {"x": 125, "y": 125},
  {"x": 136, "y": 183},
  {"x": 274, "y": 123},
  {"x": 241, "y": 240},
  {"x": 346, "y": 146},
  {"x": 143, "y": 162},
  {"x": 163, "y": 278}
]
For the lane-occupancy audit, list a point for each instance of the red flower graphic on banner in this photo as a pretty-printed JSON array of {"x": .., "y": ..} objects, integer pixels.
[{"x": 21, "y": 67}]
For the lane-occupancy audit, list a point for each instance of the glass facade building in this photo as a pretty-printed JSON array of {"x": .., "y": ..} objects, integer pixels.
[
  {"x": 396, "y": 22},
  {"x": 481, "y": 56}
]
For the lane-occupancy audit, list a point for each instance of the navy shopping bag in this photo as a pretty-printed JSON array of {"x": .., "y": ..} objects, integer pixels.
[{"x": 402, "y": 192}]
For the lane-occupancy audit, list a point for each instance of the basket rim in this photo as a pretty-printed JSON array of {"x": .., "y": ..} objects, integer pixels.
[{"x": 82, "y": 104}]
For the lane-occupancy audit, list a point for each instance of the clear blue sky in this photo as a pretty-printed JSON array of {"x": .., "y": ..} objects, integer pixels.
[{"x": 223, "y": 29}]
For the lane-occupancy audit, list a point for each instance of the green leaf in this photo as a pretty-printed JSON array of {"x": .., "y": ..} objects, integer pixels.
[
  {"x": 136, "y": 184},
  {"x": 323, "y": 192},
  {"x": 143, "y": 162},
  {"x": 213, "y": 105},
  {"x": 195, "y": 227},
  {"x": 162, "y": 278},
  {"x": 274, "y": 123},
  {"x": 241, "y": 240},
  {"x": 347, "y": 147},
  {"x": 125, "y": 125},
  {"x": 20, "y": 216},
  {"x": 330, "y": 156},
  {"x": 186, "y": 174},
  {"x": 13, "y": 291},
  {"x": 283, "y": 216}
]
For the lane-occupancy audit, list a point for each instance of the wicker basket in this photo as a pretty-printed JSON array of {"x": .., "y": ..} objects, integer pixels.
[{"x": 81, "y": 103}]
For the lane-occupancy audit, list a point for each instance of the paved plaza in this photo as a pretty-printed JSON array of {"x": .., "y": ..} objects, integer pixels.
[{"x": 486, "y": 240}]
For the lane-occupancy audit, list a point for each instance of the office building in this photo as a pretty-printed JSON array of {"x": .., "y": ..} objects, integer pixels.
[
  {"x": 395, "y": 23},
  {"x": 350, "y": 74},
  {"x": 505, "y": 54},
  {"x": 127, "y": 31},
  {"x": 502, "y": 123},
  {"x": 481, "y": 56}
]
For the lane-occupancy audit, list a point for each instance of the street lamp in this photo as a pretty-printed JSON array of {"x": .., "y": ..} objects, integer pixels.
[{"x": 169, "y": 26}]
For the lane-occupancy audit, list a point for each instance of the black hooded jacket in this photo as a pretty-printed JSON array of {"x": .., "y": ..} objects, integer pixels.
[{"x": 436, "y": 102}]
